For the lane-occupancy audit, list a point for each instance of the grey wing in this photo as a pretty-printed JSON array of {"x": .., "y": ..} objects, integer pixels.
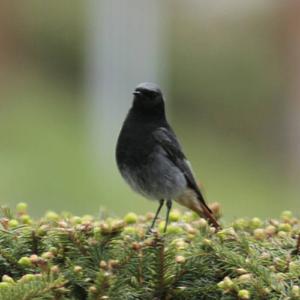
[{"x": 168, "y": 141}]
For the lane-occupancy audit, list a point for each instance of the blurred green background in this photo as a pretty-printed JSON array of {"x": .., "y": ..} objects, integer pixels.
[{"x": 227, "y": 81}]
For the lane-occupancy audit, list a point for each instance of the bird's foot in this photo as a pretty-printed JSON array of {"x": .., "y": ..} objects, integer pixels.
[{"x": 151, "y": 231}]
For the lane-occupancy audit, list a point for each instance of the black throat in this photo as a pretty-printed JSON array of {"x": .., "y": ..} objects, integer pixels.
[{"x": 155, "y": 112}]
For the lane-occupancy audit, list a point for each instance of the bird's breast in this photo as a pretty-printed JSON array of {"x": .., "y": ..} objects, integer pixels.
[
  {"x": 135, "y": 144},
  {"x": 156, "y": 178}
]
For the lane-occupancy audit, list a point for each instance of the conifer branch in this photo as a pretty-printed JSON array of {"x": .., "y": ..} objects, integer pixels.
[{"x": 70, "y": 258}]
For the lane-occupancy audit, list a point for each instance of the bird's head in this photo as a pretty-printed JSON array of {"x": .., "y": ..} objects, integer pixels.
[{"x": 148, "y": 98}]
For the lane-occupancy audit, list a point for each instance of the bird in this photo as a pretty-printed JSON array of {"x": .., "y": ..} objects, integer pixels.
[{"x": 151, "y": 160}]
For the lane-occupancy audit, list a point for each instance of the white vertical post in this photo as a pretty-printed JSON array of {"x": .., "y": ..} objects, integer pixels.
[{"x": 125, "y": 47}]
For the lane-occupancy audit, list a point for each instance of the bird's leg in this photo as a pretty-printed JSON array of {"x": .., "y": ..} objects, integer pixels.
[
  {"x": 169, "y": 206},
  {"x": 161, "y": 203}
]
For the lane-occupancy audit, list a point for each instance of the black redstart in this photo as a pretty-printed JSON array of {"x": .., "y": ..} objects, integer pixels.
[{"x": 151, "y": 159}]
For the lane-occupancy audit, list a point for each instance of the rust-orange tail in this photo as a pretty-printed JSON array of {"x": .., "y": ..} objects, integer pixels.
[
  {"x": 194, "y": 201},
  {"x": 210, "y": 217}
]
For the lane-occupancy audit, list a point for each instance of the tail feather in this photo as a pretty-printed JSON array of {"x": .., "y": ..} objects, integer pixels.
[
  {"x": 207, "y": 212},
  {"x": 209, "y": 216}
]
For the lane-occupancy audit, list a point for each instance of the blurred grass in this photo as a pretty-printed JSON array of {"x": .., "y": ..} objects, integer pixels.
[{"x": 46, "y": 160}]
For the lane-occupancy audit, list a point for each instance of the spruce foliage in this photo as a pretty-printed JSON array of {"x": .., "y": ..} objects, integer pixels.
[{"x": 67, "y": 257}]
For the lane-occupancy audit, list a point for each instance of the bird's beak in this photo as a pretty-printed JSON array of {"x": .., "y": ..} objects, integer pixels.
[{"x": 136, "y": 93}]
